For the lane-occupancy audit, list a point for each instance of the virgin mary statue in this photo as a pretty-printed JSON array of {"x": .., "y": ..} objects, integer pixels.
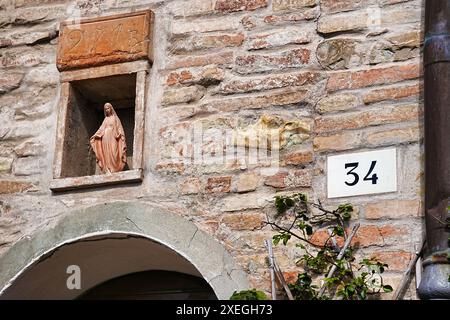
[{"x": 109, "y": 144}]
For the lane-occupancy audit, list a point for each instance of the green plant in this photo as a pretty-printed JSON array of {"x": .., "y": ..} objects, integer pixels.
[
  {"x": 252, "y": 294},
  {"x": 295, "y": 220}
]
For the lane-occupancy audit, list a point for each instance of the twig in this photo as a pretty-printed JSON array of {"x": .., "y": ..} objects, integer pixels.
[
  {"x": 277, "y": 270},
  {"x": 407, "y": 273},
  {"x": 335, "y": 245},
  {"x": 272, "y": 269},
  {"x": 292, "y": 233},
  {"x": 339, "y": 257}
]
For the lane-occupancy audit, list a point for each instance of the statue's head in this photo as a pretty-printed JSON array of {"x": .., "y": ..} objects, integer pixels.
[{"x": 108, "y": 109}]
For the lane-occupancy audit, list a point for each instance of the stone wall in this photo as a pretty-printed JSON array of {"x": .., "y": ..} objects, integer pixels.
[{"x": 331, "y": 76}]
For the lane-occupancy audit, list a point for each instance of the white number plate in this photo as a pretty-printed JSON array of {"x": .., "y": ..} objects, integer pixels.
[{"x": 362, "y": 173}]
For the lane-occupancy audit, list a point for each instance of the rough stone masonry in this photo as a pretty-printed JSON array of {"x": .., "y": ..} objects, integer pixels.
[{"x": 346, "y": 73}]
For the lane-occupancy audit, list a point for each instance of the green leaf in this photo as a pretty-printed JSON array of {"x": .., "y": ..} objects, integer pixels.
[
  {"x": 276, "y": 239},
  {"x": 252, "y": 294},
  {"x": 283, "y": 204},
  {"x": 387, "y": 288},
  {"x": 345, "y": 210},
  {"x": 286, "y": 238},
  {"x": 303, "y": 197},
  {"x": 338, "y": 230},
  {"x": 363, "y": 295}
]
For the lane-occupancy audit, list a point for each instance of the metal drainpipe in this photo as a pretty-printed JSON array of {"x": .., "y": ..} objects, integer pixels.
[{"x": 436, "y": 266}]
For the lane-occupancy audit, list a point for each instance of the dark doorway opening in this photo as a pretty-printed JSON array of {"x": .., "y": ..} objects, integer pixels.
[{"x": 152, "y": 285}]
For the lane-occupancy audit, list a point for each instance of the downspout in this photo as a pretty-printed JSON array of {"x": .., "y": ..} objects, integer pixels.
[{"x": 436, "y": 265}]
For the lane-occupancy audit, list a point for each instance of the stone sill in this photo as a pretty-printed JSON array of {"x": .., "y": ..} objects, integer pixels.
[{"x": 64, "y": 184}]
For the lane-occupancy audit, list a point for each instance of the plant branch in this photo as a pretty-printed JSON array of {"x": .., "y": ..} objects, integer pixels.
[{"x": 292, "y": 233}]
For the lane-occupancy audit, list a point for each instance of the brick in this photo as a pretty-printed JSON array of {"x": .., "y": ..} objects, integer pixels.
[
  {"x": 239, "y": 5},
  {"x": 10, "y": 81},
  {"x": 269, "y": 82},
  {"x": 5, "y": 42},
  {"x": 251, "y": 241},
  {"x": 299, "y": 179},
  {"x": 279, "y": 5},
  {"x": 245, "y": 201},
  {"x": 375, "y": 76},
  {"x": 400, "y": 16},
  {"x": 206, "y": 76},
  {"x": 361, "y": 20},
  {"x": 205, "y": 42},
  {"x": 283, "y": 98},
  {"x": 298, "y": 158},
  {"x": 353, "y": 21},
  {"x": 247, "y": 182},
  {"x": 378, "y": 95},
  {"x": 338, "y": 54},
  {"x": 21, "y": 58},
  {"x": 5, "y": 164},
  {"x": 320, "y": 236},
  {"x": 290, "y": 276},
  {"x": 337, "y": 102},
  {"x": 293, "y": 17},
  {"x": 178, "y": 77},
  {"x": 409, "y": 39},
  {"x": 218, "y": 185},
  {"x": 169, "y": 167},
  {"x": 398, "y": 47},
  {"x": 291, "y": 179},
  {"x": 7, "y": 187},
  {"x": 394, "y": 136},
  {"x": 35, "y": 15},
  {"x": 363, "y": 119},
  {"x": 244, "y": 221},
  {"x": 392, "y": 209},
  {"x": 396, "y": 260},
  {"x": 29, "y": 37},
  {"x": 181, "y": 27},
  {"x": 277, "y": 180},
  {"x": 195, "y": 7},
  {"x": 393, "y": 234},
  {"x": 183, "y": 95},
  {"x": 221, "y": 58},
  {"x": 368, "y": 236},
  {"x": 190, "y": 186},
  {"x": 27, "y": 166},
  {"x": 333, "y": 6},
  {"x": 260, "y": 63},
  {"x": 277, "y": 39},
  {"x": 338, "y": 142}
]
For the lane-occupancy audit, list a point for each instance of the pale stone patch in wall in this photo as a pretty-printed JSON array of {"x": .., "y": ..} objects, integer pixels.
[{"x": 321, "y": 73}]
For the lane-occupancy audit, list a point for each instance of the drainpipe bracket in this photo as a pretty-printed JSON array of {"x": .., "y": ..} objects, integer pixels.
[
  {"x": 436, "y": 49},
  {"x": 435, "y": 277}
]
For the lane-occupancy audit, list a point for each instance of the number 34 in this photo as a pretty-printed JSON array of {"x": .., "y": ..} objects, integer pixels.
[{"x": 353, "y": 166}]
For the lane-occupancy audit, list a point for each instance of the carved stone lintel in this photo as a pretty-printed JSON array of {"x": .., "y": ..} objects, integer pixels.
[{"x": 105, "y": 40}]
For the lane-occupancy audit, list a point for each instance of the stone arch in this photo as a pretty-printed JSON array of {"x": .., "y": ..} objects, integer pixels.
[{"x": 204, "y": 253}]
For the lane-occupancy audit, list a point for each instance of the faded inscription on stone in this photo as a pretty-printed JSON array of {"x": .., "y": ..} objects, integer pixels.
[{"x": 105, "y": 40}]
